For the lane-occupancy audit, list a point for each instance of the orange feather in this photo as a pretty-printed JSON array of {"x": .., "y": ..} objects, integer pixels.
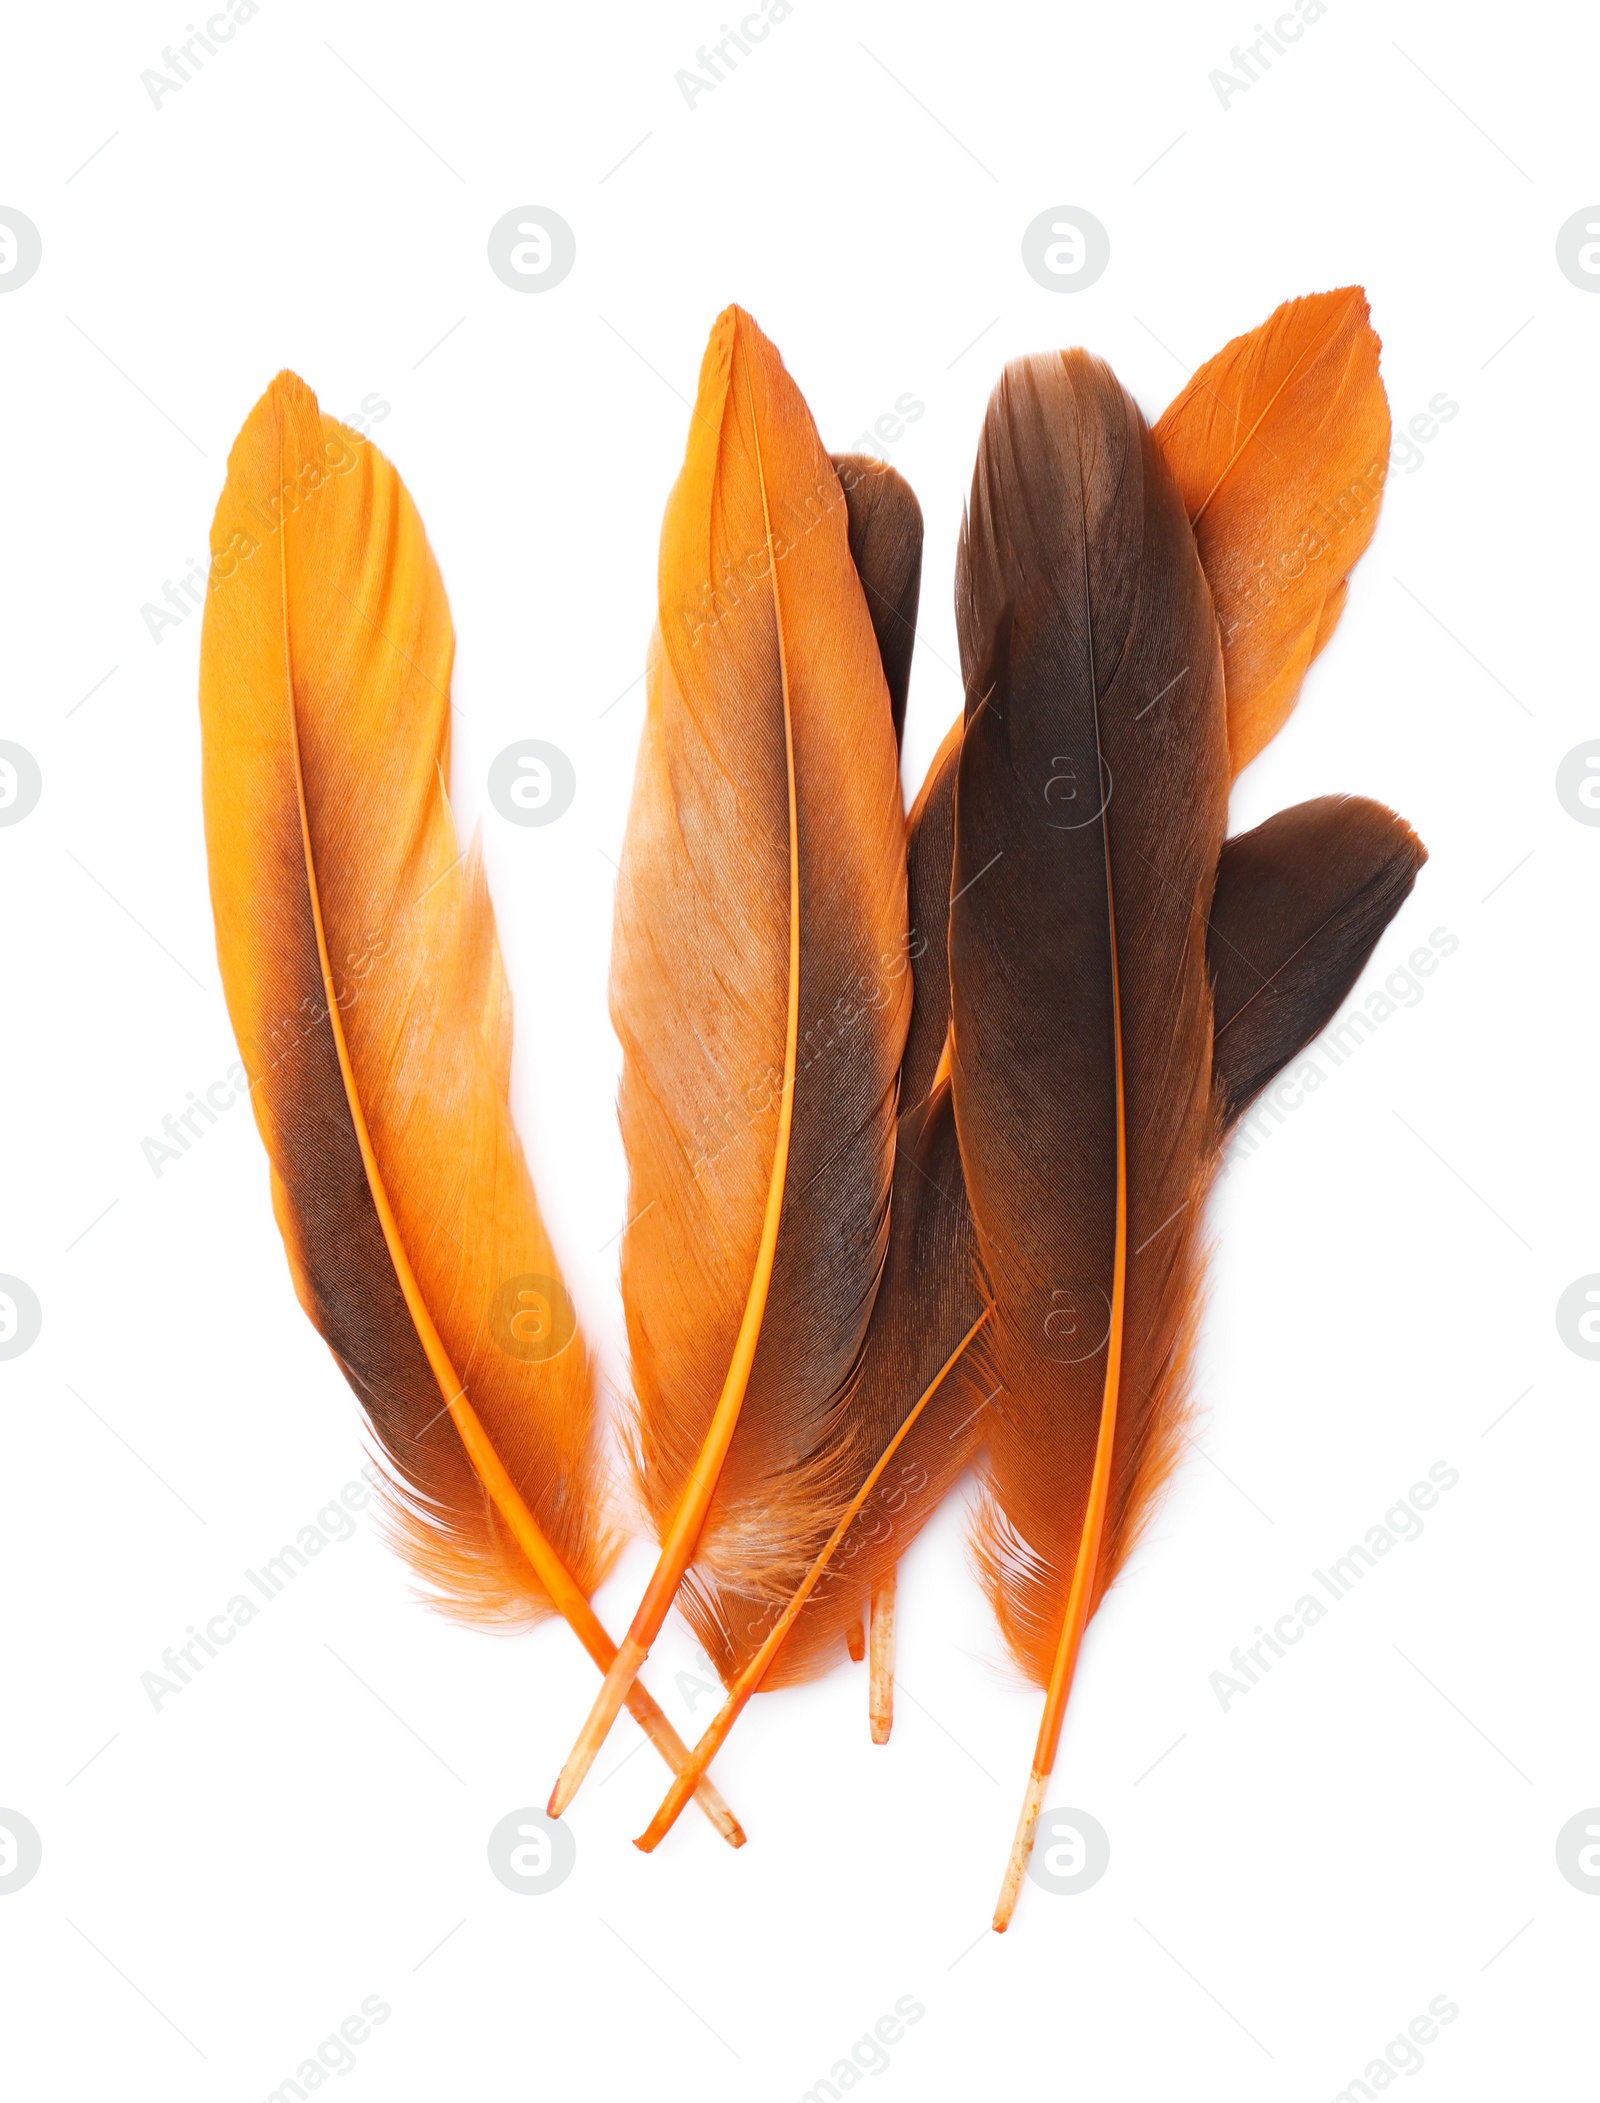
[
  {"x": 760, "y": 991},
  {"x": 1280, "y": 447},
  {"x": 363, "y": 979}
]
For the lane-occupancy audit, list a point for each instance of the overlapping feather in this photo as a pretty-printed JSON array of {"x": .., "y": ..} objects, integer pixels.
[{"x": 866, "y": 1225}]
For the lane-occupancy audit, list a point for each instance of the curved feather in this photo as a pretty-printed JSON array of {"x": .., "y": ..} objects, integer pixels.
[
  {"x": 1299, "y": 905},
  {"x": 364, "y": 982}
]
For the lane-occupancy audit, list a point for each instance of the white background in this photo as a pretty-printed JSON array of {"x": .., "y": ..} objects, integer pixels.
[{"x": 305, "y": 1825}]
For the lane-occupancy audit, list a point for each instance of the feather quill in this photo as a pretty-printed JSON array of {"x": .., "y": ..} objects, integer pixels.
[
  {"x": 912, "y": 1406},
  {"x": 364, "y": 983},
  {"x": 759, "y": 990}
]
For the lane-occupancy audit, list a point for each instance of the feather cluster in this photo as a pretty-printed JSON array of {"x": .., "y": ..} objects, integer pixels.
[{"x": 920, "y": 1114}]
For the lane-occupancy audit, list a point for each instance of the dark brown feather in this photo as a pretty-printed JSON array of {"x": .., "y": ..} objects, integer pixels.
[
  {"x": 1089, "y": 812},
  {"x": 1299, "y": 905},
  {"x": 930, "y": 1298},
  {"x": 930, "y": 856},
  {"x": 885, "y": 523}
]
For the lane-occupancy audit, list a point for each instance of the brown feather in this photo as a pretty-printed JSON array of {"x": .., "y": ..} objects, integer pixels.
[
  {"x": 327, "y": 644},
  {"x": 1299, "y": 905},
  {"x": 1090, "y": 798},
  {"x": 886, "y": 548},
  {"x": 930, "y": 856},
  {"x": 931, "y": 1297}
]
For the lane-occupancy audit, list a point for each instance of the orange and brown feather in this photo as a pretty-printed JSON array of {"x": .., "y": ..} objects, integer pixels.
[
  {"x": 1090, "y": 796},
  {"x": 325, "y": 673},
  {"x": 764, "y": 635}
]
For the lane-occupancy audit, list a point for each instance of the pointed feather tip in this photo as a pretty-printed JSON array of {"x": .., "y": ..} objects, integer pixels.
[
  {"x": 1351, "y": 302},
  {"x": 1353, "y": 297},
  {"x": 1341, "y": 306},
  {"x": 733, "y": 327},
  {"x": 285, "y": 392},
  {"x": 286, "y": 400},
  {"x": 711, "y": 392},
  {"x": 736, "y": 332},
  {"x": 256, "y": 457}
]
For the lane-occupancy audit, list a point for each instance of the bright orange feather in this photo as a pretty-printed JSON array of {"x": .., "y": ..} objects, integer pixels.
[{"x": 1280, "y": 447}]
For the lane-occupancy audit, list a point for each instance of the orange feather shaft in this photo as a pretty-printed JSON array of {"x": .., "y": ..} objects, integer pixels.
[
  {"x": 750, "y": 1678},
  {"x": 880, "y": 1692}
]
